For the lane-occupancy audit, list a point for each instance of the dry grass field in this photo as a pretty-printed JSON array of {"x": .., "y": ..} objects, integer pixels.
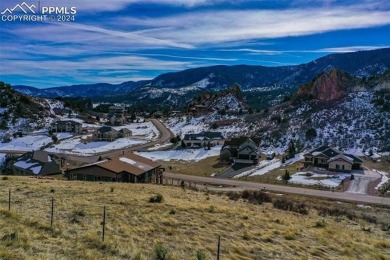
[
  {"x": 186, "y": 223},
  {"x": 204, "y": 167}
]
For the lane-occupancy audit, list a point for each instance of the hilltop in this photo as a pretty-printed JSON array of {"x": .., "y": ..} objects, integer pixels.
[
  {"x": 186, "y": 223},
  {"x": 23, "y": 111}
]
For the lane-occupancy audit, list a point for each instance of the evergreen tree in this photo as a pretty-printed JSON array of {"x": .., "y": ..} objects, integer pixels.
[{"x": 286, "y": 176}]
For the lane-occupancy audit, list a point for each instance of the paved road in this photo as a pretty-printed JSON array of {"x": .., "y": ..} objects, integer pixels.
[
  {"x": 165, "y": 135},
  {"x": 361, "y": 198}
]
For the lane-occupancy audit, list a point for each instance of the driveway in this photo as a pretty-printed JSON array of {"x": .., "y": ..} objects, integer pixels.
[{"x": 362, "y": 180}]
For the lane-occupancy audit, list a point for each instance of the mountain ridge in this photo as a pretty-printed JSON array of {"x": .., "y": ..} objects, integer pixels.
[{"x": 175, "y": 85}]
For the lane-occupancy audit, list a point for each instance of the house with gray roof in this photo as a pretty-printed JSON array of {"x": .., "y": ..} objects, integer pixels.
[
  {"x": 332, "y": 159},
  {"x": 203, "y": 139},
  {"x": 38, "y": 163},
  {"x": 66, "y": 126},
  {"x": 108, "y": 133},
  {"x": 243, "y": 150}
]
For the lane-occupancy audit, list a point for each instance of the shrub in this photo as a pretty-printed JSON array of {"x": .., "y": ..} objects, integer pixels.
[
  {"x": 320, "y": 223},
  {"x": 162, "y": 253},
  {"x": 77, "y": 216},
  {"x": 200, "y": 255},
  {"x": 246, "y": 235},
  {"x": 287, "y": 205},
  {"x": 158, "y": 198},
  {"x": 256, "y": 196},
  {"x": 5, "y": 178},
  {"x": 369, "y": 218},
  {"x": 335, "y": 212},
  {"x": 233, "y": 195},
  {"x": 283, "y": 204}
]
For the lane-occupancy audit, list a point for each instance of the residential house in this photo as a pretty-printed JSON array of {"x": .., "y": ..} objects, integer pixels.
[
  {"x": 66, "y": 126},
  {"x": 108, "y": 133},
  {"x": 199, "y": 110},
  {"x": 116, "y": 115},
  {"x": 128, "y": 167},
  {"x": 241, "y": 150},
  {"x": 331, "y": 159},
  {"x": 37, "y": 163},
  {"x": 203, "y": 139}
]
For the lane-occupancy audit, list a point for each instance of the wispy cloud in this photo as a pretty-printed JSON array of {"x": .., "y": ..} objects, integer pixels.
[{"x": 200, "y": 28}]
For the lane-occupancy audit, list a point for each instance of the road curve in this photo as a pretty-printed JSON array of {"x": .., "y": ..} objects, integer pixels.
[{"x": 360, "y": 198}]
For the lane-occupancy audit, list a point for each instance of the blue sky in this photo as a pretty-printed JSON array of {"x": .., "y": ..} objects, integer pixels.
[{"x": 117, "y": 40}]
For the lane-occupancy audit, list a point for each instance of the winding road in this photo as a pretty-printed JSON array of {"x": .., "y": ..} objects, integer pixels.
[{"x": 353, "y": 197}]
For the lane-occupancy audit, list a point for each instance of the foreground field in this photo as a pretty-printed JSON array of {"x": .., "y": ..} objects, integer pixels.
[{"x": 186, "y": 223}]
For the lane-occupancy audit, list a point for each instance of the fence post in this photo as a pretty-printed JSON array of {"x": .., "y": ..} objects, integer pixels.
[
  {"x": 104, "y": 222},
  {"x": 219, "y": 248},
  {"x": 52, "y": 212},
  {"x": 9, "y": 200}
]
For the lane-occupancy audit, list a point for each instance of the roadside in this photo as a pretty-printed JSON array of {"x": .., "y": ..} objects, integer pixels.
[{"x": 361, "y": 198}]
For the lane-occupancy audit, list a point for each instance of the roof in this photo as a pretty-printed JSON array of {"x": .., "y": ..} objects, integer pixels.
[
  {"x": 65, "y": 122},
  {"x": 106, "y": 129},
  {"x": 204, "y": 136},
  {"x": 333, "y": 154},
  {"x": 37, "y": 162},
  {"x": 324, "y": 150},
  {"x": 129, "y": 163},
  {"x": 342, "y": 157},
  {"x": 125, "y": 130},
  {"x": 237, "y": 141}
]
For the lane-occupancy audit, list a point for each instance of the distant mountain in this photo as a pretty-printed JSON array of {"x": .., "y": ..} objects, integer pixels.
[
  {"x": 178, "y": 88},
  {"x": 85, "y": 90},
  {"x": 360, "y": 64}
]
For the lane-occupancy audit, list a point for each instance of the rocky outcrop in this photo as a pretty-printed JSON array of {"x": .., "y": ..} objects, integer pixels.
[{"x": 331, "y": 85}]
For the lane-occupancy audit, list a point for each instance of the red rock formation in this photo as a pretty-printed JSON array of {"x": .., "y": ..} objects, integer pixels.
[{"x": 331, "y": 85}]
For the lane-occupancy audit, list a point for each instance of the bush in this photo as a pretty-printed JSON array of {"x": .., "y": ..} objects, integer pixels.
[
  {"x": 320, "y": 223},
  {"x": 77, "y": 216},
  {"x": 369, "y": 218},
  {"x": 158, "y": 198},
  {"x": 335, "y": 212},
  {"x": 200, "y": 255},
  {"x": 162, "y": 253},
  {"x": 287, "y": 205},
  {"x": 5, "y": 178},
  {"x": 256, "y": 196}
]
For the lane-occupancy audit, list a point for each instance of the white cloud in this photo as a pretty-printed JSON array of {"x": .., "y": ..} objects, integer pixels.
[{"x": 200, "y": 28}]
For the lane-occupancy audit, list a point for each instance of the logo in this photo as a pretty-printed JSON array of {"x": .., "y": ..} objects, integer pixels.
[
  {"x": 24, "y": 7},
  {"x": 24, "y": 12}
]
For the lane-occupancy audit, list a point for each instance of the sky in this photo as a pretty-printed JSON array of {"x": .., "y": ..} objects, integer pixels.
[{"x": 114, "y": 41}]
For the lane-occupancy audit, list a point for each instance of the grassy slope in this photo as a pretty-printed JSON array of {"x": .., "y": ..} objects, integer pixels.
[{"x": 134, "y": 225}]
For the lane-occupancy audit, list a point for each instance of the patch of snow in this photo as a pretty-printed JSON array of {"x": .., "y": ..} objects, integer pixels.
[
  {"x": 26, "y": 143},
  {"x": 75, "y": 146},
  {"x": 145, "y": 129},
  {"x": 182, "y": 155},
  {"x": 330, "y": 181},
  {"x": 384, "y": 179},
  {"x": 36, "y": 169}
]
